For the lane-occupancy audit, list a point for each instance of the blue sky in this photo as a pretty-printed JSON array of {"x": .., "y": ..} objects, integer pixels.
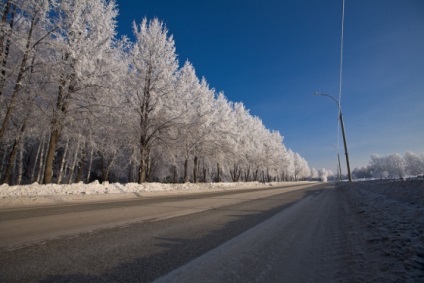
[{"x": 272, "y": 55}]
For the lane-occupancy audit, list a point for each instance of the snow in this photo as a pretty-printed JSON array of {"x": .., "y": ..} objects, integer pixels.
[
  {"x": 386, "y": 221},
  {"x": 37, "y": 194},
  {"x": 359, "y": 232}
]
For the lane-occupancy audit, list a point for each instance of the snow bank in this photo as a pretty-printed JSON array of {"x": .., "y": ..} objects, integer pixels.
[
  {"x": 35, "y": 193},
  {"x": 36, "y": 189}
]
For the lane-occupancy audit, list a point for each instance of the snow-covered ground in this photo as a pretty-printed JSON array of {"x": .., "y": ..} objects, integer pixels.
[
  {"x": 36, "y": 194},
  {"x": 386, "y": 227},
  {"x": 359, "y": 232}
]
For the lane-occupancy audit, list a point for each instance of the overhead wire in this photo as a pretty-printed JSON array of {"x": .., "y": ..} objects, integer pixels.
[{"x": 340, "y": 78}]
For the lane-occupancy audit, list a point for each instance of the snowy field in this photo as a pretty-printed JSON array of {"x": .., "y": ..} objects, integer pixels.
[
  {"x": 36, "y": 194},
  {"x": 386, "y": 229}
]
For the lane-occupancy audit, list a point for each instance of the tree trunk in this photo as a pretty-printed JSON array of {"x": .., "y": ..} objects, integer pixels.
[
  {"x": 143, "y": 165},
  {"x": 48, "y": 170},
  {"x": 235, "y": 173},
  {"x": 81, "y": 166},
  {"x": 36, "y": 159},
  {"x": 130, "y": 172},
  {"x": 3, "y": 159},
  {"x": 218, "y": 173},
  {"x": 247, "y": 174},
  {"x": 142, "y": 172},
  {"x": 269, "y": 178},
  {"x": 186, "y": 170},
  {"x": 174, "y": 174},
  {"x": 3, "y": 24},
  {"x": 57, "y": 120},
  {"x": 20, "y": 164},
  {"x": 204, "y": 171},
  {"x": 151, "y": 167},
  {"x": 41, "y": 168},
  {"x": 105, "y": 168},
  {"x": 74, "y": 162},
  {"x": 256, "y": 175},
  {"x": 90, "y": 163},
  {"x": 5, "y": 53},
  {"x": 62, "y": 165},
  {"x": 195, "y": 168},
  {"x": 16, "y": 145},
  {"x": 204, "y": 175},
  {"x": 11, "y": 163}
]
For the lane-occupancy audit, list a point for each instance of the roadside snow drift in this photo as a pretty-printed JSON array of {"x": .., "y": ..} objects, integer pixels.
[{"x": 35, "y": 194}]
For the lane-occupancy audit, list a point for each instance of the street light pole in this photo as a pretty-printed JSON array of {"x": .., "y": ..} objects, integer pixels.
[
  {"x": 339, "y": 168},
  {"x": 343, "y": 132}
]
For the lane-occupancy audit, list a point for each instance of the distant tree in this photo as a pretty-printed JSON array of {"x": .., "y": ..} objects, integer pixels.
[
  {"x": 396, "y": 166},
  {"x": 376, "y": 165},
  {"x": 362, "y": 173},
  {"x": 393, "y": 166},
  {"x": 323, "y": 174},
  {"x": 301, "y": 168},
  {"x": 314, "y": 173},
  {"x": 414, "y": 165}
]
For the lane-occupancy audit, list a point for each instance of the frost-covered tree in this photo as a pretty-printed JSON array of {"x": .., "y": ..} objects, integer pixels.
[
  {"x": 324, "y": 174},
  {"x": 239, "y": 160},
  {"x": 314, "y": 173},
  {"x": 24, "y": 25},
  {"x": 362, "y": 173},
  {"x": 152, "y": 81},
  {"x": 221, "y": 139},
  {"x": 194, "y": 99},
  {"x": 82, "y": 41},
  {"x": 395, "y": 165},
  {"x": 414, "y": 165},
  {"x": 301, "y": 167},
  {"x": 77, "y": 104},
  {"x": 376, "y": 166},
  {"x": 24, "y": 29}
]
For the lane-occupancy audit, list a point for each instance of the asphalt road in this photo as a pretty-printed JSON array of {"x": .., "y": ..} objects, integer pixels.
[{"x": 130, "y": 241}]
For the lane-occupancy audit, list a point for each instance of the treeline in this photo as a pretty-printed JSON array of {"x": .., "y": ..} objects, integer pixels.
[
  {"x": 392, "y": 166},
  {"x": 79, "y": 104}
]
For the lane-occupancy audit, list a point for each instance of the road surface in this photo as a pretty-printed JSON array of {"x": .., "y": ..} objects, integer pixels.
[{"x": 286, "y": 234}]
